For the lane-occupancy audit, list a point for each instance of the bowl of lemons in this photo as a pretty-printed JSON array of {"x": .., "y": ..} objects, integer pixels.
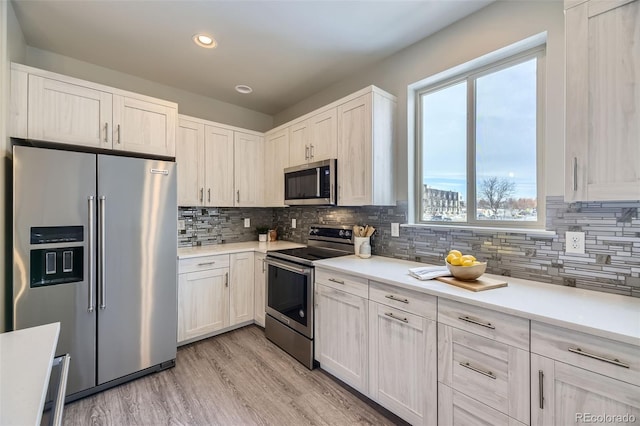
[{"x": 464, "y": 266}]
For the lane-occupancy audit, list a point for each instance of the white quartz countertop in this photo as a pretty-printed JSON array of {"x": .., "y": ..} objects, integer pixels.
[
  {"x": 227, "y": 248},
  {"x": 606, "y": 315},
  {"x": 26, "y": 357}
]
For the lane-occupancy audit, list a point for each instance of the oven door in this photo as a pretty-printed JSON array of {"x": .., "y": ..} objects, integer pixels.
[{"x": 290, "y": 295}]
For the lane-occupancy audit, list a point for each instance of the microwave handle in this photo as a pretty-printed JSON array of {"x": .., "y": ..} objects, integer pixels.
[{"x": 318, "y": 182}]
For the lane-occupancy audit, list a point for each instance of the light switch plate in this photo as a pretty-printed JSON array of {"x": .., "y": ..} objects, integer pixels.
[
  {"x": 395, "y": 229},
  {"x": 293, "y": 223},
  {"x": 575, "y": 242},
  {"x": 247, "y": 222}
]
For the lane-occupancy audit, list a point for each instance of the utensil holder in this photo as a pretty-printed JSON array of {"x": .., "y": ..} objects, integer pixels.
[{"x": 357, "y": 242}]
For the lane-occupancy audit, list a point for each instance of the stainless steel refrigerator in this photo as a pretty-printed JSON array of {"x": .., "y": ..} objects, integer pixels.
[{"x": 94, "y": 247}]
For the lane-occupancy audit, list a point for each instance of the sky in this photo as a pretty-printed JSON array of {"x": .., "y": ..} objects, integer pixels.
[{"x": 505, "y": 131}]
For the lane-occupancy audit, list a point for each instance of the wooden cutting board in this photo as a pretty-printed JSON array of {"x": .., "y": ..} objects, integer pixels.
[{"x": 482, "y": 283}]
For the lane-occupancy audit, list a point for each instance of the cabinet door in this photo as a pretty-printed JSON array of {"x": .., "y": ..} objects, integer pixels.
[
  {"x": 69, "y": 113},
  {"x": 299, "y": 144},
  {"x": 249, "y": 166},
  {"x": 602, "y": 101},
  {"x": 203, "y": 303},
  {"x": 323, "y": 132},
  {"x": 403, "y": 356},
  {"x": 354, "y": 152},
  {"x": 218, "y": 173},
  {"x": 341, "y": 336},
  {"x": 259, "y": 287},
  {"x": 241, "y": 293},
  {"x": 190, "y": 163},
  {"x": 276, "y": 148},
  {"x": 144, "y": 126},
  {"x": 562, "y": 394}
]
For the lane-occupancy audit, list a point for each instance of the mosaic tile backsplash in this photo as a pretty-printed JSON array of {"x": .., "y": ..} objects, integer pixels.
[{"x": 611, "y": 263}]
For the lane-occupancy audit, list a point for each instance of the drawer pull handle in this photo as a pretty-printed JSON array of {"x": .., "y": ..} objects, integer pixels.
[
  {"x": 333, "y": 280},
  {"x": 397, "y": 299},
  {"x": 614, "y": 361},
  {"x": 206, "y": 263},
  {"x": 476, "y": 322},
  {"x": 541, "y": 389},
  {"x": 390, "y": 315},
  {"x": 478, "y": 370}
]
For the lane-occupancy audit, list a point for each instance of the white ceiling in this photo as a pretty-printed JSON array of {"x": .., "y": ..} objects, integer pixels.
[{"x": 285, "y": 50}]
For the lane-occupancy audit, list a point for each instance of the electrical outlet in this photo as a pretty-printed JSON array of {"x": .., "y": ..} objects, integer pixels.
[
  {"x": 181, "y": 224},
  {"x": 395, "y": 229},
  {"x": 293, "y": 223},
  {"x": 247, "y": 223},
  {"x": 575, "y": 242}
]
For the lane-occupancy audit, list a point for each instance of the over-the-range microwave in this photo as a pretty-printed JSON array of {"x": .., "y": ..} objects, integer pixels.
[{"x": 313, "y": 183}]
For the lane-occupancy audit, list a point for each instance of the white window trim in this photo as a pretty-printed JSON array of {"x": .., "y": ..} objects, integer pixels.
[{"x": 498, "y": 58}]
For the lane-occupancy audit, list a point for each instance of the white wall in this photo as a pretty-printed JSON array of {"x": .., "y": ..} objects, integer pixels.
[
  {"x": 188, "y": 103},
  {"x": 498, "y": 25}
]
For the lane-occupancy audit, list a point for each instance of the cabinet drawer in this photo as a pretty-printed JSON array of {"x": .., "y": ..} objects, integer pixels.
[
  {"x": 607, "y": 357},
  {"x": 494, "y": 373},
  {"x": 494, "y": 325},
  {"x": 344, "y": 282},
  {"x": 203, "y": 263},
  {"x": 407, "y": 300},
  {"x": 455, "y": 408}
]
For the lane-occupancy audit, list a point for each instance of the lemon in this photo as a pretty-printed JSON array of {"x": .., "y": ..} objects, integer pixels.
[
  {"x": 475, "y": 262},
  {"x": 467, "y": 262},
  {"x": 467, "y": 257},
  {"x": 456, "y": 252},
  {"x": 455, "y": 261},
  {"x": 452, "y": 256}
]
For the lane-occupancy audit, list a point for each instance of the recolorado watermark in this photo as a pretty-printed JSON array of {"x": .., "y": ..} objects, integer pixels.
[{"x": 605, "y": 418}]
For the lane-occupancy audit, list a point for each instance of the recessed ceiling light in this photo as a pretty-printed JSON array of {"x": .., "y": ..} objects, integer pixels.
[
  {"x": 243, "y": 88},
  {"x": 204, "y": 40}
]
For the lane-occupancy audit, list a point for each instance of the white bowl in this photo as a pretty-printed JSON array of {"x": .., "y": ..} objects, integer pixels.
[{"x": 467, "y": 273}]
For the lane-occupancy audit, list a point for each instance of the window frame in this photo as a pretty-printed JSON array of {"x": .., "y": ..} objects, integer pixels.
[{"x": 470, "y": 76}]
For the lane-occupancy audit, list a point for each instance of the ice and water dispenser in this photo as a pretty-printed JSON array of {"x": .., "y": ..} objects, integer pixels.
[{"x": 57, "y": 265}]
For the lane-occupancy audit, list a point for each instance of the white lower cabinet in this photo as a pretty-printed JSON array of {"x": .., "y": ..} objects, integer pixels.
[
  {"x": 455, "y": 408},
  {"x": 241, "y": 292},
  {"x": 578, "y": 378},
  {"x": 259, "y": 288},
  {"x": 215, "y": 294},
  {"x": 563, "y": 394},
  {"x": 203, "y": 303},
  {"x": 341, "y": 342},
  {"x": 402, "y": 363}
]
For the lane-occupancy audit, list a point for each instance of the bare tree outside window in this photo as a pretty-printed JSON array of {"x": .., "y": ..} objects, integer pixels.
[{"x": 495, "y": 192}]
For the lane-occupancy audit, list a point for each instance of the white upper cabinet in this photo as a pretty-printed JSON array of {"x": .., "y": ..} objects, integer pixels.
[
  {"x": 602, "y": 153},
  {"x": 248, "y": 169},
  {"x": 276, "y": 155},
  {"x": 69, "y": 113},
  {"x": 216, "y": 161},
  {"x": 299, "y": 143},
  {"x": 323, "y": 133},
  {"x": 56, "y": 108},
  {"x": 144, "y": 126},
  {"x": 219, "y": 168},
  {"x": 365, "y": 150},
  {"x": 190, "y": 160},
  {"x": 314, "y": 139}
]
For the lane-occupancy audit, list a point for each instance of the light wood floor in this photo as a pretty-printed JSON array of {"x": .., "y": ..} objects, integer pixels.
[{"x": 238, "y": 378}]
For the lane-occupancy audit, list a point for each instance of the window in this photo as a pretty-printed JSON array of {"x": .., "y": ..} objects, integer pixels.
[{"x": 478, "y": 140}]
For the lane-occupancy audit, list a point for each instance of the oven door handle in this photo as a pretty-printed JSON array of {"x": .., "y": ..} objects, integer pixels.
[{"x": 287, "y": 266}]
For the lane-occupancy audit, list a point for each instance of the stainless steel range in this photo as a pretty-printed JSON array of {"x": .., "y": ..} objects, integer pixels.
[{"x": 290, "y": 278}]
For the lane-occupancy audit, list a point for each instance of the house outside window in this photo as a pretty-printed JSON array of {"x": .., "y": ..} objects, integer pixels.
[{"x": 478, "y": 147}]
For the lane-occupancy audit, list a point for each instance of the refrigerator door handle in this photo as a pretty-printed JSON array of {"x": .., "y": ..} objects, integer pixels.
[
  {"x": 92, "y": 253},
  {"x": 101, "y": 256}
]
